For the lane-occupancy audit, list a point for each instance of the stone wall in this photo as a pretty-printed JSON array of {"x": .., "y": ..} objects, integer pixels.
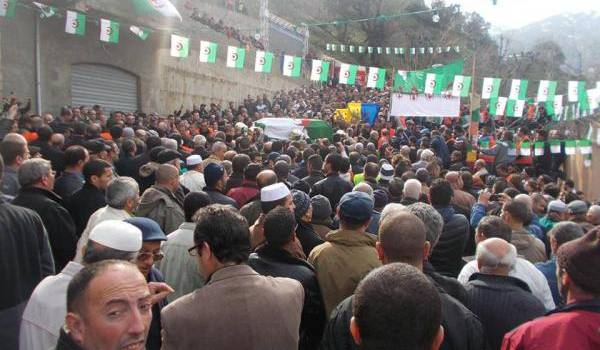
[{"x": 164, "y": 82}]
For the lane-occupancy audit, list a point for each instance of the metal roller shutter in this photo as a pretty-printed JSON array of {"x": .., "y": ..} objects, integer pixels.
[{"x": 109, "y": 87}]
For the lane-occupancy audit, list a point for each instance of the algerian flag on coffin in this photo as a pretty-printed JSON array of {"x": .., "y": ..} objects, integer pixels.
[
  {"x": 208, "y": 52},
  {"x": 7, "y": 8},
  {"x": 585, "y": 146},
  {"x": 75, "y": 23},
  {"x": 376, "y": 78},
  {"x": 263, "y": 62},
  {"x": 538, "y": 149},
  {"x": 461, "y": 86},
  {"x": 434, "y": 84},
  {"x": 236, "y": 56},
  {"x": 157, "y": 7},
  {"x": 518, "y": 89},
  {"x": 292, "y": 66},
  {"x": 141, "y": 32},
  {"x": 546, "y": 91},
  {"x": 570, "y": 147},
  {"x": 180, "y": 46},
  {"x": 491, "y": 88},
  {"x": 320, "y": 70},
  {"x": 283, "y": 128},
  {"x": 512, "y": 149},
  {"x": 525, "y": 150},
  {"x": 348, "y": 74},
  {"x": 514, "y": 108},
  {"x": 555, "y": 147},
  {"x": 109, "y": 31},
  {"x": 498, "y": 105}
]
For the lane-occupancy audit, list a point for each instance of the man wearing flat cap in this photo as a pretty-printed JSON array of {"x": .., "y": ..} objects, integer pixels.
[
  {"x": 216, "y": 177},
  {"x": 577, "y": 324},
  {"x": 349, "y": 253},
  {"x": 578, "y": 214}
]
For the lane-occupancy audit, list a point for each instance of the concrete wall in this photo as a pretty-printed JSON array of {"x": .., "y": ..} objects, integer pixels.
[{"x": 164, "y": 82}]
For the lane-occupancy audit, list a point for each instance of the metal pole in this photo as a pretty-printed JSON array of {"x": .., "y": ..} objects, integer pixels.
[{"x": 38, "y": 87}]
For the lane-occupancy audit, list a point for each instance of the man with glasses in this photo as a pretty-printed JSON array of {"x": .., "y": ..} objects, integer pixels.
[{"x": 150, "y": 253}]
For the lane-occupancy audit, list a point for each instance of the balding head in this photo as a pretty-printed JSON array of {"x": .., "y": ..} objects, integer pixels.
[
  {"x": 266, "y": 178},
  {"x": 496, "y": 256},
  {"x": 593, "y": 215},
  {"x": 167, "y": 175},
  {"x": 525, "y": 199},
  {"x": 402, "y": 238},
  {"x": 455, "y": 180},
  {"x": 14, "y": 150},
  {"x": 57, "y": 140},
  {"x": 363, "y": 187}
]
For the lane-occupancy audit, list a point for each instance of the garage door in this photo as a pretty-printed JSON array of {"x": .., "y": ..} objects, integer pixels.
[{"x": 109, "y": 87}]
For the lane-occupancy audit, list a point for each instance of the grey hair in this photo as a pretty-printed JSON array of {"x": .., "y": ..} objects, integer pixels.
[
  {"x": 121, "y": 189},
  {"x": 364, "y": 187},
  {"x": 32, "y": 171},
  {"x": 434, "y": 223},
  {"x": 169, "y": 143},
  {"x": 217, "y": 146},
  {"x": 565, "y": 231},
  {"x": 389, "y": 209},
  {"x": 95, "y": 252},
  {"x": 427, "y": 155},
  {"x": 412, "y": 188},
  {"x": 489, "y": 261}
]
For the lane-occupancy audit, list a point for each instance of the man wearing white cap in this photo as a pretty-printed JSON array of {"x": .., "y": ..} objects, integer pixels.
[
  {"x": 45, "y": 312},
  {"x": 193, "y": 179},
  {"x": 271, "y": 197}
]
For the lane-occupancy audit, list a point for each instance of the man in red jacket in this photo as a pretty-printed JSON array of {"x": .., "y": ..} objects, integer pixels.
[{"x": 577, "y": 324}]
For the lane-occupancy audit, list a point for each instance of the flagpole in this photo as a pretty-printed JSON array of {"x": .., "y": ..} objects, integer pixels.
[{"x": 472, "y": 89}]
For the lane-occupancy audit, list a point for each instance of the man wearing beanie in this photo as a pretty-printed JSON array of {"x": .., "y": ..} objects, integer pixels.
[
  {"x": 305, "y": 231},
  {"x": 321, "y": 218},
  {"x": 45, "y": 312},
  {"x": 577, "y": 324},
  {"x": 216, "y": 177},
  {"x": 348, "y": 253}
]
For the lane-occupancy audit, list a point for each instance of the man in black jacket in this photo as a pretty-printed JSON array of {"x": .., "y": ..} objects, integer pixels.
[
  {"x": 275, "y": 259},
  {"x": 71, "y": 180},
  {"x": 402, "y": 238},
  {"x": 447, "y": 255},
  {"x": 332, "y": 186},
  {"x": 314, "y": 166},
  {"x": 83, "y": 203},
  {"x": 36, "y": 178},
  {"x": 26, "y": 260},
  {"x": 501, "y": 302}
]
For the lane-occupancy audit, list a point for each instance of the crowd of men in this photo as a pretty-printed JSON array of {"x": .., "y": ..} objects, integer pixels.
[{"x": 195, "y": 231}]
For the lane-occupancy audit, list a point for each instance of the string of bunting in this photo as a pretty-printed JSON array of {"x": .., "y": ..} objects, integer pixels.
[{"x": 360, "y": 49}]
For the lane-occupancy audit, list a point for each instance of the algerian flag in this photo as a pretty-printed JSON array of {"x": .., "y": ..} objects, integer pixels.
[
  {"x": 361, "y": 49},
  {"x": 320, "y": 70},
  {"x": 236, "y": 56},
  {"x": 498, "y": 105},
  {"x": 515, "y": 108},
  {"x": 328, "y": 47},
  {"x": 557, "y": 105},
  {"x": 263, "y": 62},
  {"x": 570, "y": 147},
  {"x": 525, "y": 149},
  {"x": 574, "y": 90},
  {"x": 434, "y": 84},
  {"x": 333, "y": 47},
  {"x": 461, "y": 86},
  {"x": 587, "y": 162},
  {"x": 538, "y": 149},
  {"x": 584, "y": 103},
  {"x": 379, "y": 50},
  {"x": 376, "y": 78},
  {"x": 585, "y": 146},
  {"x": 388, "y": 51},
  {"x": 413, "y": 51},
  {"x": 162, "y": 7},
  {"x": 75, "y": 23},
  {"x": 430, "y": 50},
  {"x": 109, "y": 31},
  {"x": 283, "y": 128},
  {"x": 351, "y": 48},
  {"x": 396, "y": 50},
  {"x": 370, "y": 49},
  {"x": 7, "y": 8},
  {"x": 554, "y": 147},
  {"x": 292, "y": 66},
  {"x": 180, "y": 46},
  {"x": 422, "y": 50},
  {"x": 348, "y": 73},
  {"x": 46, "y": 11},
  {"x": 208, "y": 52},
  {"x": 546, "y": 91},
  {"x": 342, "y": 48},
  {"x": 518, "y": 89},
  {"x": 512, "y": 149},
  {"x": 401, "y": 79},
  {"x": 141, "y": 32},
  {"x": 491, "y": 88}
]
